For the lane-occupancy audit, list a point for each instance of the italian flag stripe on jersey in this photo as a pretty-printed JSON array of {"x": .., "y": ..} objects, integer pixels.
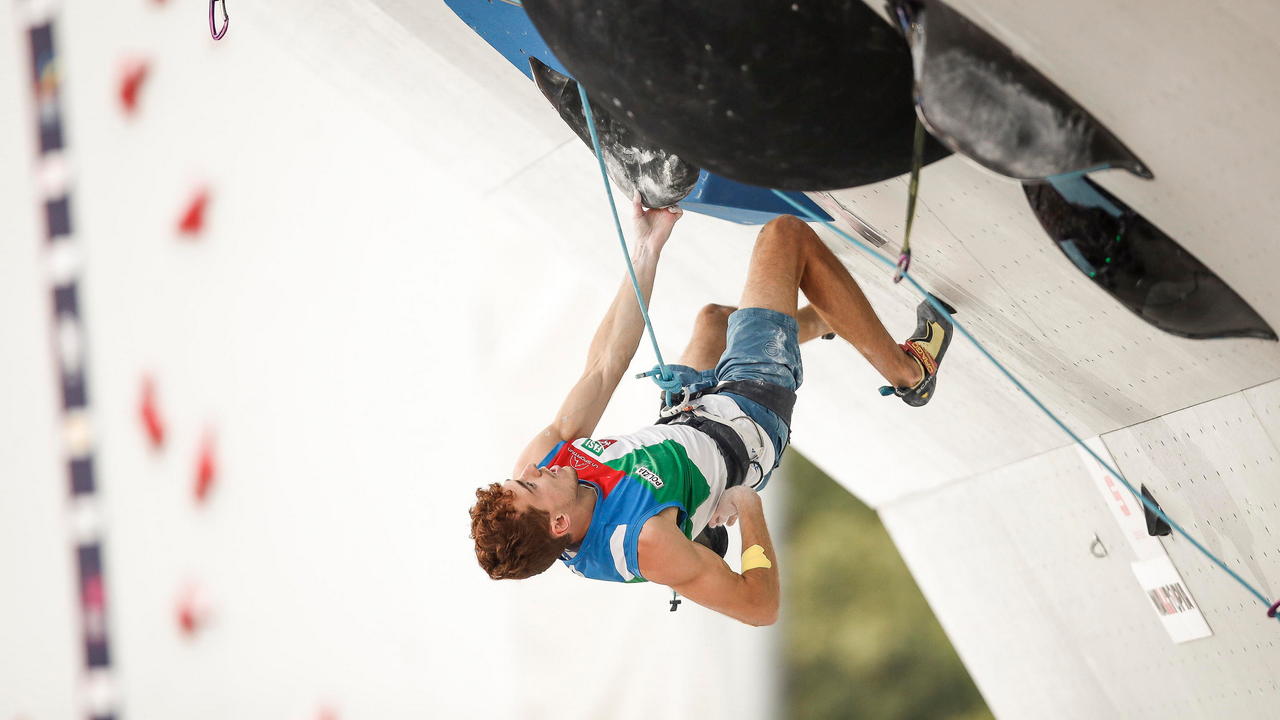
[{"x": 668, "y": 459}]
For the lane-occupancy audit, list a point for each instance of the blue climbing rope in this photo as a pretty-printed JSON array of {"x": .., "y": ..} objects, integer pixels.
[
  {"x": 808, "y": 215},
  {"x": 662, "y": 374}
]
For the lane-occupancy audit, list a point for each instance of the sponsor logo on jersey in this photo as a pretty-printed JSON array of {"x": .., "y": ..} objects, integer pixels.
[
  {"x": 606, "y": 443},
  {"x": 648, "y": 476},
  {"x": 581, "y": 462},
  {"x": 595, "y": 447}
]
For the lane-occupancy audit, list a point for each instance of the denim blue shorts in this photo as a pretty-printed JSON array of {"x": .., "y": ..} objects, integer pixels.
[{"x": 760, "y": 344}]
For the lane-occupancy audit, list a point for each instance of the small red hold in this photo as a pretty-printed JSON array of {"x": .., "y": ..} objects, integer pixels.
[
  {"x": 192, "y": 222},
  {"x": 193, "y": 611},
  {"x": 206, "y": 468},
  {"x": 151, "y": 420},
  {"x": 187, "y": 620},
  {"x": 131, "y": 80},
  {"x": 327, "y": 713}
]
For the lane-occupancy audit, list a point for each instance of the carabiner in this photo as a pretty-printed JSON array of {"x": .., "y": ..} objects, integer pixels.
[
  {"x": 677, "y": 407},
  {"x": 904, "y": 265},
  {"x": 226, "y": 20}
]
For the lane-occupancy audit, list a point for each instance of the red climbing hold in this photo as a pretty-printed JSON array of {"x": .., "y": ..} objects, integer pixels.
[
  {"x": 150, "y": 412},
  {"x": 193, "y": 611},
  {"x": 135, "y": 73},
  {"x": 187, "y": 619},
  {"x": 206, "y": 468},
  {"x": 192, "y": 222}
]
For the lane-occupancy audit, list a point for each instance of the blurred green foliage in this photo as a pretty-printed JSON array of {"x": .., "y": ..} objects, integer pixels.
[{"x": 859, "y": 639}]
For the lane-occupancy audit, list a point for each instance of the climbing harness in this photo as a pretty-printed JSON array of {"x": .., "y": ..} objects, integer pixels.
[
  {"x": 730, "y": 437},
  {"x": 226, "y": 20},
  {"x": 1148, "y": 504},
  {"x": 913, "y": 189}
]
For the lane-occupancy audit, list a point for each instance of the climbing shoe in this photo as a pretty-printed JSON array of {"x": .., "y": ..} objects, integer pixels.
[
  {"x": 715, "y": 538},
  {"x": 926, "y": 346}
]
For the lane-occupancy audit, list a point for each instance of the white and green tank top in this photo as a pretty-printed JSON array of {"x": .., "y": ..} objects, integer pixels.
[{"x": 636, "y": 476}]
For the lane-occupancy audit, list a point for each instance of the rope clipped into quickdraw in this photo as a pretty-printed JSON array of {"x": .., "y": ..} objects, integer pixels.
[
  {"x": 917, "y": 158},
  {"x": 226, "y": 20},
  {"x": 1272, "y": 608},
  {"x": 661, "y": 374}
]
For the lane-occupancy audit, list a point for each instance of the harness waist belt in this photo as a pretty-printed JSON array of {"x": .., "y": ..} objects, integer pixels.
[
  {"x": 777, "y": 399},
  {"x": 727, "y": 440}
]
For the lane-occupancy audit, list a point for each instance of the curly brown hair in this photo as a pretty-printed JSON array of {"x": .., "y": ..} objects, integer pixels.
[{"x": 511, "y": 545}]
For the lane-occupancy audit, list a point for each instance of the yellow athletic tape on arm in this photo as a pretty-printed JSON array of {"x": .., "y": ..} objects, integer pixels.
[{"x": 754, "y": 557}]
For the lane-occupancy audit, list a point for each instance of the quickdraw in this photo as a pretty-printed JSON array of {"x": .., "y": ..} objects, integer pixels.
[{"x": 917, "y": 157}]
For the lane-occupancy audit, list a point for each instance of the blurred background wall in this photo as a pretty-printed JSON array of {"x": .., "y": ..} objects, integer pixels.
[{"x": 361, "y": 331}]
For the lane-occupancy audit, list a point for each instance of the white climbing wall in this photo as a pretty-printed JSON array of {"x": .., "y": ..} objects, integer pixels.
[
  {"x": 998, "y": 524},
  {"x": 1005, "y": 560},
  {"x": 977, "y": 244}
]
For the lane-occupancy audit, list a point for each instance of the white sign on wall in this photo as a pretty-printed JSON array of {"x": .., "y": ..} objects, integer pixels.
[{"x": 1171, "y": 600}]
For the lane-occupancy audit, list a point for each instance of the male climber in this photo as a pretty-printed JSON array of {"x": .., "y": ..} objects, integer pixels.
[{"x": 628, "y": 507}]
